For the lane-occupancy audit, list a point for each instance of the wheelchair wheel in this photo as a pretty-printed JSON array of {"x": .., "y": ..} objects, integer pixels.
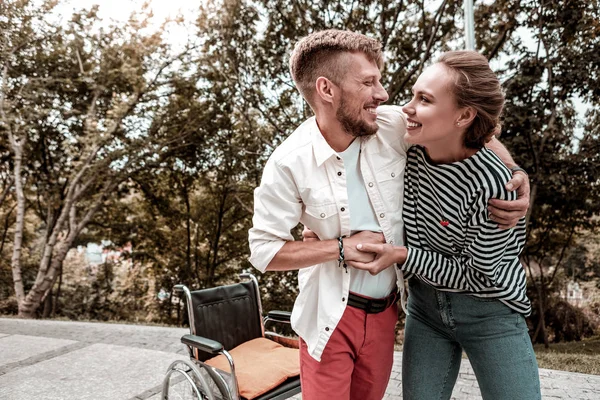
[{"x": 184, "y": 381}]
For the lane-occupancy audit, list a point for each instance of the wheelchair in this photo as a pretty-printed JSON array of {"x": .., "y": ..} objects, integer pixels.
[{"x": 221, "y": 319}]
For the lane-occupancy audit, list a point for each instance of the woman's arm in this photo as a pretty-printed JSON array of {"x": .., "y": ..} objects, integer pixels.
[{"x": 489, "y": 254}]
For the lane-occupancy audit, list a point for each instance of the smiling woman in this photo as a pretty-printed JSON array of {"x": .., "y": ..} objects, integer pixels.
[{"x": 466, "y": 284}]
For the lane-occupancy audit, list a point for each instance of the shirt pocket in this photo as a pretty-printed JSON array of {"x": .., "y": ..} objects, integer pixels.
[
  {"x": 323, "y": 219},
  {"x": 390, "y": 180},
  {"x": 322, "y": 211}
]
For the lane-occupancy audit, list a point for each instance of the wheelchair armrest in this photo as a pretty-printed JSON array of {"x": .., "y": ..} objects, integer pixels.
[
  {"x": 202, "y": 343},
  {"x": 279, "y": 316}
]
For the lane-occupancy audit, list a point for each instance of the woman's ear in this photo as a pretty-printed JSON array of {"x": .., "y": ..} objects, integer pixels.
[
  {"x": 467, "y": 116},
  {"x": 325, "y": 89}
]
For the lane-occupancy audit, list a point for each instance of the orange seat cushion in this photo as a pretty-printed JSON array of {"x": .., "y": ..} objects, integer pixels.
[{"x": 260, "y": 365}]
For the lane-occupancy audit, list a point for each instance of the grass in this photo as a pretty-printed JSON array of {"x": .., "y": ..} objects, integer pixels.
[{"x": 582, "y": 357}]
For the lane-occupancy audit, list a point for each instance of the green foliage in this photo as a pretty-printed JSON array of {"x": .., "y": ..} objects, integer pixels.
[{"x": 181, "y": 137}]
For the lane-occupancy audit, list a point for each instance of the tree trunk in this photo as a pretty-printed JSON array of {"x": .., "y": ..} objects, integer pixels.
[
  {"x": 532, "y": 196},
  {"x": 541, "y": 328},
  {"x": 57, "y": 247},
  {"x": 48, "y": 305},
  {"x": 43, "y": 283},
  {"x": 20, "y": 220},
  {"x": 57, "y": 297}
]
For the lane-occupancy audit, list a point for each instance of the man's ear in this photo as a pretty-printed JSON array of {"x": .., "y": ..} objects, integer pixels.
[
  {"x": 467, "y": 116},
  {"x": 325, "y": 90}
]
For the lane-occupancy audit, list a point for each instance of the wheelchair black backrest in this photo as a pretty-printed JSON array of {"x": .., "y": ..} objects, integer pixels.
[{"x": 228, "y": 314}]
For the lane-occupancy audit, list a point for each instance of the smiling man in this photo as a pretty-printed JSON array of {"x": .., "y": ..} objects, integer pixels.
[{"x": 341, "y": 175}]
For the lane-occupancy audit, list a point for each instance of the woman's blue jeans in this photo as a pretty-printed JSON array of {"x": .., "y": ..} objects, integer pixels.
[{"x": 440, "y": 325}]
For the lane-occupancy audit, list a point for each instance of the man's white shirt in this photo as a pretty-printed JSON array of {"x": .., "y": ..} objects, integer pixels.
[
  {"x": 304, "y": 181},
  {"x": 363, "y": 218}
]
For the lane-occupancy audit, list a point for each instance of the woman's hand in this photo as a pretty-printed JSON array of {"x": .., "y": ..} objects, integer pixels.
[
  {"x": 309, "y": 236},
  {"x": 351, "y": 254},
  {"x": 385, "y": 255},
  {"x": 365, "y": 238}
]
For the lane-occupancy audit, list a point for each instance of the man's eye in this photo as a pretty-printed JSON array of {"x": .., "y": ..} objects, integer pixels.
[
  {"x": 424, "y": 99},
  {"x": 368, "y": 83}
]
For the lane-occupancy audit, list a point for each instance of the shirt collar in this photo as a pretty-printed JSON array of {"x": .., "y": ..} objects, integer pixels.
[{"x": 321, "y": 148}]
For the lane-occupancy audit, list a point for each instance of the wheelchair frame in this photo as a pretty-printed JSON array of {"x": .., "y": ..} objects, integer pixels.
[{"x": 192, "y": 370}]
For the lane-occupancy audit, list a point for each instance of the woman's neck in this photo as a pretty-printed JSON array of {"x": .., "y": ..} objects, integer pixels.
[{"x": 446, "y": 154}]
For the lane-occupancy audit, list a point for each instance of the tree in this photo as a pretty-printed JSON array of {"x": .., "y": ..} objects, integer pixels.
[
  {"x": 106, "y": 133},
  {"x": 541, "y": 127},
  {"x": 74, "y": 103}
]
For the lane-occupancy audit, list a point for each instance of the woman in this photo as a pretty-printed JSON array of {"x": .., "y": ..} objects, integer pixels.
[{"x": 466, "y": 284}]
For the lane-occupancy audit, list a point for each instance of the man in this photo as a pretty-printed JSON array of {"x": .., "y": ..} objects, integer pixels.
[{"x": 340, "y": 174}]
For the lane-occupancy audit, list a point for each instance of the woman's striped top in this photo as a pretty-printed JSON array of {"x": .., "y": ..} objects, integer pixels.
[{"x": 471, "y": 254}]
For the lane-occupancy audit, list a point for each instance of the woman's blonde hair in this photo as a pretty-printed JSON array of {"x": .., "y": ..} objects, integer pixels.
[{"x": 476, "y": 86}]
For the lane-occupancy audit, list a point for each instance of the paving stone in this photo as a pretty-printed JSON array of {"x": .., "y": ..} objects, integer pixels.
[
  {"x": 141, "y": 336},
  {"x": 20, "y": 347},
  {"x": 97, "y": 372},
  {"x": 86, "y": 360}
]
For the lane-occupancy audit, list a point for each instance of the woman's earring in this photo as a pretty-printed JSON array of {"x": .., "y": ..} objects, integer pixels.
[{"x": 458, "y": 124}]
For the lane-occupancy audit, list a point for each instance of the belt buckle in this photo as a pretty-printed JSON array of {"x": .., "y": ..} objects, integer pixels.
[{"x": 369, "y": 308}]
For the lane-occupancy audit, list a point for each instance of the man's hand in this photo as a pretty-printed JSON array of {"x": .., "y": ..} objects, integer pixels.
[
  {"x": 352, "y": 254},
  {"x": 508, "y": 213},
  {"x": 385, "y": 255}
]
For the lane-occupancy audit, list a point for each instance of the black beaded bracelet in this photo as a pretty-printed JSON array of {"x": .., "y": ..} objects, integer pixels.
[{"x": 341, "y": 246}]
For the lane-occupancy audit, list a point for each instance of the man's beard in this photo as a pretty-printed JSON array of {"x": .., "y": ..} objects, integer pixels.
[{"x": 352, "y": 123}]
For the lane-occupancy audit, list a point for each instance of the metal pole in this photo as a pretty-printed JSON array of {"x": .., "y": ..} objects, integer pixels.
[{"x": 469, "y": 26}]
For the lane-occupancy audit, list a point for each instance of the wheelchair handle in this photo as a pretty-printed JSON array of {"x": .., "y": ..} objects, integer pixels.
[{"x": 178, "y": 288}]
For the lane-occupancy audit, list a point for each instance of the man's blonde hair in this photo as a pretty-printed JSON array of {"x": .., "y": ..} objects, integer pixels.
[{"x": 324, "y": 53}]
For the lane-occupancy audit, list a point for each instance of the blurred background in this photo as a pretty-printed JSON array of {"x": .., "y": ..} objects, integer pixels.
[{"x": 132, "y": 135}]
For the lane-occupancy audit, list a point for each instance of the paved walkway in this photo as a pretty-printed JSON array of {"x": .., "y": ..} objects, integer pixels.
[{"x": 58, "y": 360}]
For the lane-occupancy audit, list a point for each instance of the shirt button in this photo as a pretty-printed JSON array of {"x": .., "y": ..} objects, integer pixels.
[
  {"x": 382, "y": 215},
  {"x": 343, "y": 209},
  {"x": 322, "y": 215},
  {"x": 391, "y": 242},
  {"x": 327, "y": 329},
  {"x": 393, "y": 174},
  {"x": 343, "y": 299},
  {"x": 370, "y": 184},
  {"x": 338, "y": 158},
  {"x": 339, "y": 174}
]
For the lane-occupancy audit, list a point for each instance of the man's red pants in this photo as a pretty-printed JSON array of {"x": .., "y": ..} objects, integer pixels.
[{"x": 357, "y": 361}]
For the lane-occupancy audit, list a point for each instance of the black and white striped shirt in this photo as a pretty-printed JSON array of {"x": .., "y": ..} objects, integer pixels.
[{"x": 471, "y": 254}]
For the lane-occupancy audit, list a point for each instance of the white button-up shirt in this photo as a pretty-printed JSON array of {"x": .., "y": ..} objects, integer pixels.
[{"x": 304, "y": 181}]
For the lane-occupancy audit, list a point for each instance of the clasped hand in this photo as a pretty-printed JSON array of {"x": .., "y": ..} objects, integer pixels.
[{"x": 364, "y": 250}]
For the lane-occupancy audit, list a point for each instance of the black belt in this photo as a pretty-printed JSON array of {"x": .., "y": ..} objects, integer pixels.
[{"x": 372, "y": 306}]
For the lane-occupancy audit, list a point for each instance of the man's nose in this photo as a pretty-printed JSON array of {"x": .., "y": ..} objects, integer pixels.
[{"x": 381, "y": 95}]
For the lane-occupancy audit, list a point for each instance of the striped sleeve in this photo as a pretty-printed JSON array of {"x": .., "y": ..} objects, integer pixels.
[{"x": 485, "y": 265}]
